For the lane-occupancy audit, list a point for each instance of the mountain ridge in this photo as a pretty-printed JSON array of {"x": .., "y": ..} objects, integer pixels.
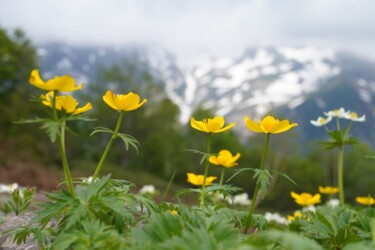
[{"x": 285, "y": 80}]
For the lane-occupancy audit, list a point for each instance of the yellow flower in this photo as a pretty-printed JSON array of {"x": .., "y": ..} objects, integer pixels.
[
  {"x": 297, "y": 214},
  {"x": 225, "y": 158},
  {"x": 66, "y": 103},
  {"x": 365, "y": 200},
  {"x": 214, "y": 125},
  {"x": 173, "y": 212},
  {"x": 123, "y": 102},
  {"x": 197, "y": 180},
  {"x": 305, "y": 199},
  {"x": 63, "y": 83},
  {"x": 328, "y": 190},
  {"x": 269, "y": 125}
]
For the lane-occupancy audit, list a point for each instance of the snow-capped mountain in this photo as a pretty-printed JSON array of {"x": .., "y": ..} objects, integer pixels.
[{"x": 259, "y": 80}]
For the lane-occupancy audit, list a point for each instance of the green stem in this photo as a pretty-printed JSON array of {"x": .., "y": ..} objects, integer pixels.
[
  {"x": 168, "y": 186},
  {"x": 373, "y": 231},
  {"x": 201, "y": 204},
  {"x": 340, "y": 175},
  {"x": 257, "y": 186},
  {"x": 113, "y": 137},
  {"x": 222, "y": 176},
  {"x": 337, "y": 123},
  {"x": 61, "y": 143}
]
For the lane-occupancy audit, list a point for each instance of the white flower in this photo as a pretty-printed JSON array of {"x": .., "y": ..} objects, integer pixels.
[
  {"x": 311, "y": 208},
  {"x": 339, "y": 113},
  {"x": 276, "y": 217},
  {"x": 87, "y": 180},
  {"x": 354, "y": 117},
  {"x": 241, "y": 199},
  {"x": 321, "y": 121},
  {"x": 147, "y": 189},
  {"x": 8, "y": 188},
  {"x": 333, "y": 202}
]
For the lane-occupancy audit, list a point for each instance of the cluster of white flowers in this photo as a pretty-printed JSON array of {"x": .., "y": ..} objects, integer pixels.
[
  {"x": 241, "y": 199},
  {"x": 338, "y": 113},
  {"x": 4, "y": 188},
  {"x": 276, "y": 217},
  {"x": 147, "y": 189},
  {"x": 333, "y": 202}
]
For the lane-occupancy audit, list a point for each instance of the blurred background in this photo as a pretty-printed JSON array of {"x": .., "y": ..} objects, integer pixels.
[{"x": 292, "y": 59}]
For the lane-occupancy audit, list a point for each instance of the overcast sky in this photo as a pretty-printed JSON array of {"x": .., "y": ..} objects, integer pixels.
[{"x": 186, "y": 27}]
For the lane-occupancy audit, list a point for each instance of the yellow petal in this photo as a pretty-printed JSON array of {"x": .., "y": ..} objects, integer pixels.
[
  {"x": 83, "y": 109},
  {"x": 214, "y": 160},
  {"x": 209, "y": 180},
  {"x": 35, "y": 78},
  {"x": 253, "y": 126},
  {"x": 198, "y": 125},
  {"x": 63, "y": 83},
  {"x": 285, "y": 126},
  {"x": 109, "y": 99},
  {"x": 69, "y": 104},
  {"x": 294, "y": 195},
  {"x": 231, "y": 125}
]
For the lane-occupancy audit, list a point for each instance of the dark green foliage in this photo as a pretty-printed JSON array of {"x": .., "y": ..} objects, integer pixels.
[
  {"x": 20, "y": 201},
  {"x": 105, "y": 203},
  {"x": 90, "y": 234},
  {"x": 186, "y": 230},
  {"x": 336, "y": 227}
]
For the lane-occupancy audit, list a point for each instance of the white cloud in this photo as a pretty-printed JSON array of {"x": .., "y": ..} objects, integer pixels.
[{"x": 197, "y": 27}]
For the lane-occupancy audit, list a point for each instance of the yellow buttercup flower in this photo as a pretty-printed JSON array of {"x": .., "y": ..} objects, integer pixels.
[
  {"x": 123, "y": 102},
  {"x": 63, "y": 83},
  {"x": 297, "y": 214},
  {"x": 269, "y": 125},
  {"x": 197, "y": 179},
  {"x": 173, "y": 212},
  {"x": 305, "y": 199},
  {"x": 214, "y": 125},
  {"x": 66, "y": 103},
  {"x": 328, "y": 190},
  {"x": 365, "y": 200},
  {"x": 225, "y": 159}
]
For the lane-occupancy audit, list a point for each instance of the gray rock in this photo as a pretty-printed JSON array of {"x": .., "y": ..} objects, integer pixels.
[{"x": 11, "y": 222}]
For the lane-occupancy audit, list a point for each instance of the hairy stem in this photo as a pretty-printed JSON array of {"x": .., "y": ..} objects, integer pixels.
[
  {"x": 257, "y": 186},
  {"x": 222, "y": 175},
  {"x": 61, "y": 143},
  {"x": 340, "y": 175},
  {"x": 201, "y": 204},
  {"x": 113, "y": 137}
]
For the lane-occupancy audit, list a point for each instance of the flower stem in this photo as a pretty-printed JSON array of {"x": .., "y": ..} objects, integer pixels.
[
  {"x": 257, "y": 186},
  {"x": 61, "y": 143},
  {"x": 113, "y": 137},
  {"x": 222, "y": 176},
  {"x": 340, "y": 175},
  {"x": 201, "y": 204}
]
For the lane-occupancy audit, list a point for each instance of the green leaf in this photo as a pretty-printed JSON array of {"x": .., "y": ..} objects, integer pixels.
[
  {"x": 101, "y": 130},
  {"x": 205, "y": 156},
  {"x": 52, "y": 128},
  {"x": 263, "y": 178},
  {"x": 283, "y": 175},
  {"x": 238, "y": 171},
  {"x": 129, "y": 140}
]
